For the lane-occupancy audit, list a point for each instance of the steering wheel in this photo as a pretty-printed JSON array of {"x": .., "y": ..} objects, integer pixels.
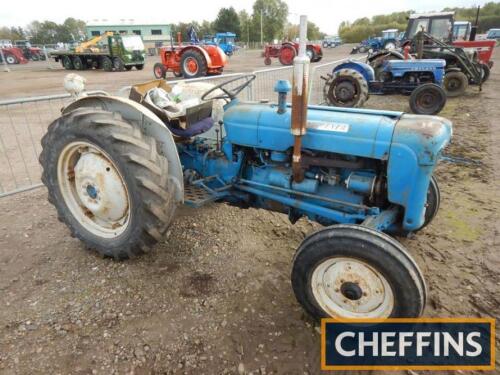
[{"x": 229, "y": 93}]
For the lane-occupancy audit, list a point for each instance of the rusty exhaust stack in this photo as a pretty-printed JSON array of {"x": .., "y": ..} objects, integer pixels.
[{"x": 299, "y": 100}]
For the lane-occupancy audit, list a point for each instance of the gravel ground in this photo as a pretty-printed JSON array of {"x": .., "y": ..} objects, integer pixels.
[{"x": 215, "y": 297}]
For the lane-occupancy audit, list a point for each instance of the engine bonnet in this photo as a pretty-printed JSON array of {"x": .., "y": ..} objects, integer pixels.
[{"x": 349, "y": 131}]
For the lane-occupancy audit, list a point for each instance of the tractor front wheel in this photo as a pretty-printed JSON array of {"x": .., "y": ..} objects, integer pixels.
[
  {"x": 107, "y": 181},
  {"x": 139, "y": 66},
  {"x": 427, "y": 99},
  {"x": 11, "y": 59},
  {"x": 267, "y": 61},
  {"x": 159, "y": 71},
  {"x": 193, "y": 64},
  {"x": 350, "y": 271},
  {"x": 455, "y": 84},
  {"x": 128, "y": 68},
  {"x": 345, "y": 88},
  {"x": 286, "y": 54}
]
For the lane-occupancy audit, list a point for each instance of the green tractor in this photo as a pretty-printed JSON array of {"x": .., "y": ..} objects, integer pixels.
[{"x": 121, "y": 52}]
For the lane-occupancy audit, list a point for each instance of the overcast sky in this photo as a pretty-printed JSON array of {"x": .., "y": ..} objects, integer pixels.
[{"x": 327, "y": 14}]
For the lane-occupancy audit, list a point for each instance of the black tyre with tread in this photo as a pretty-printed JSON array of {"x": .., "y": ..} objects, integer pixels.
[
  {"x": 143, "y": 169},
  {"x": 128, "y": 67},
  {"x": 455, "y": 83},
  {"x": 200, "y": 60},
  {"x": 311, "y": 53},
  {"x": 159, "y": 71},
  {"x": 118, "y": 64},
  {"x": 381, "y": 252},
  {"x": 106, "y": 64},
  {"x": 139, "y": 66},
  {"x": 78, "y": 63},
  {"x": 485, "y": 72},
  {"x": 433, "y": 202},
  {"x": 67, "y": 63},
  {"x": 427, "y": 99},
  {"x": 355, "y": 85}
]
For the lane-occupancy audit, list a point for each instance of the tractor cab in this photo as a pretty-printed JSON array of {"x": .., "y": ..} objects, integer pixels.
[
  {"x": 461, "y": 30},
  {"x": 439, "y": 25}
]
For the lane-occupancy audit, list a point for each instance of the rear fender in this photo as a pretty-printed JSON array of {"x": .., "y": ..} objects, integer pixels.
[
  {"x": 152, "y": 126},
  {"x": 397, "y": 55},
  {"x": 364, "y": 69},
  {"x": 200, "y": 50}
]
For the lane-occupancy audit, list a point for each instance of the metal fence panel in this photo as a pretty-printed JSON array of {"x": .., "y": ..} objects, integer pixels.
[{"x": 23, "y": 122}]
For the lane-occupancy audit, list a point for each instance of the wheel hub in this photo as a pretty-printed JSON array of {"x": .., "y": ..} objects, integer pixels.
[
  {"x": 93, "y": 189},
  {"x": 100, "y": 188},
  {"x": 349, "y": 288},
  {"x": 192, "y": 65},
  {"x": 345, "y": 91}
]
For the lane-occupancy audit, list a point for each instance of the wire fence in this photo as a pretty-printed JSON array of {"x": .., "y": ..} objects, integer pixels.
[{"x": 24, "y": 121}]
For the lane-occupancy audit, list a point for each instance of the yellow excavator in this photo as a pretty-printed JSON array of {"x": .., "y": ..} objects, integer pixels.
[{"x": 88, "y": 46}]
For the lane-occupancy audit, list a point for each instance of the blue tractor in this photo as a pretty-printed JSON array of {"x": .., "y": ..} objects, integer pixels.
[
  {"x": 117, "y": 168},
  {"x": 389, "y": 40},
  {"x": 351, "y": 83},
  {"x": 224, "y": 40}
]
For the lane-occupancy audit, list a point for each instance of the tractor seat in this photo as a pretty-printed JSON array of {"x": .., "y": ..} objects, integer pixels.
[{"x": 191, "y": 121}]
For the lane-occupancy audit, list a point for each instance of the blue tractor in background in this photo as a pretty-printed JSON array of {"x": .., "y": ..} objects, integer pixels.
[
  {"x": 226, "y": 41},
  {"x": 351, "y": 83},
  {"x": 389, "y": 40}
]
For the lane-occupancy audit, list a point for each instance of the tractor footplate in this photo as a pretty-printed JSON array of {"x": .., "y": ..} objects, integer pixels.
[{"x": 198, "y": 193}]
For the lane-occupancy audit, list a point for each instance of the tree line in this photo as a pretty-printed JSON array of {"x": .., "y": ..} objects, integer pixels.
[
  {"x": 362, "y": 28},
  {"x": 271, "y": 14}
]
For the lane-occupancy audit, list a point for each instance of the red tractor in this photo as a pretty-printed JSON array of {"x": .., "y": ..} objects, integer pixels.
[
  {"x": 287, "y": 51},
  {"x": 29, "y": 52},
  {"x": 13, "y": 55},
  {"x": 190, "y": 60}
]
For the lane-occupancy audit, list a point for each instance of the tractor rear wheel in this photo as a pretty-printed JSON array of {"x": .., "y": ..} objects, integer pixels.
[
  {"x": 108, "y": 182},
  {"x": 345, "y": 88},
  {"x": 311, "y": 54},
  {"x": 159, "y": 71},
  {"x": 350, "y": 271},
  {"x": 427, "y": 99},
  {"x": 193, "y": 64},
  {"x": 485, "y": 72},
  {"x": 455, "y": 84},
  {"x": 67, "y": 63},
  {"x": 107, "y": 64},
  {"x": 286, "y": 54}
]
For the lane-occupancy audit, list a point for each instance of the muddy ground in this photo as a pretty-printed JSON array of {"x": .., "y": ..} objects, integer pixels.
[{"x": 215, "y": 297}]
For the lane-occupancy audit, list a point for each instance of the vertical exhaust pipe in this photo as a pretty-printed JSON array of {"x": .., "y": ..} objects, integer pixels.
[{"x": 299, "y": 100}]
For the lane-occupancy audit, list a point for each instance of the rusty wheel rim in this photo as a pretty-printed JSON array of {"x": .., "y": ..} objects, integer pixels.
[
  {"x": 350, "y": 288},
  {"x": 93, "y": 189}
]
